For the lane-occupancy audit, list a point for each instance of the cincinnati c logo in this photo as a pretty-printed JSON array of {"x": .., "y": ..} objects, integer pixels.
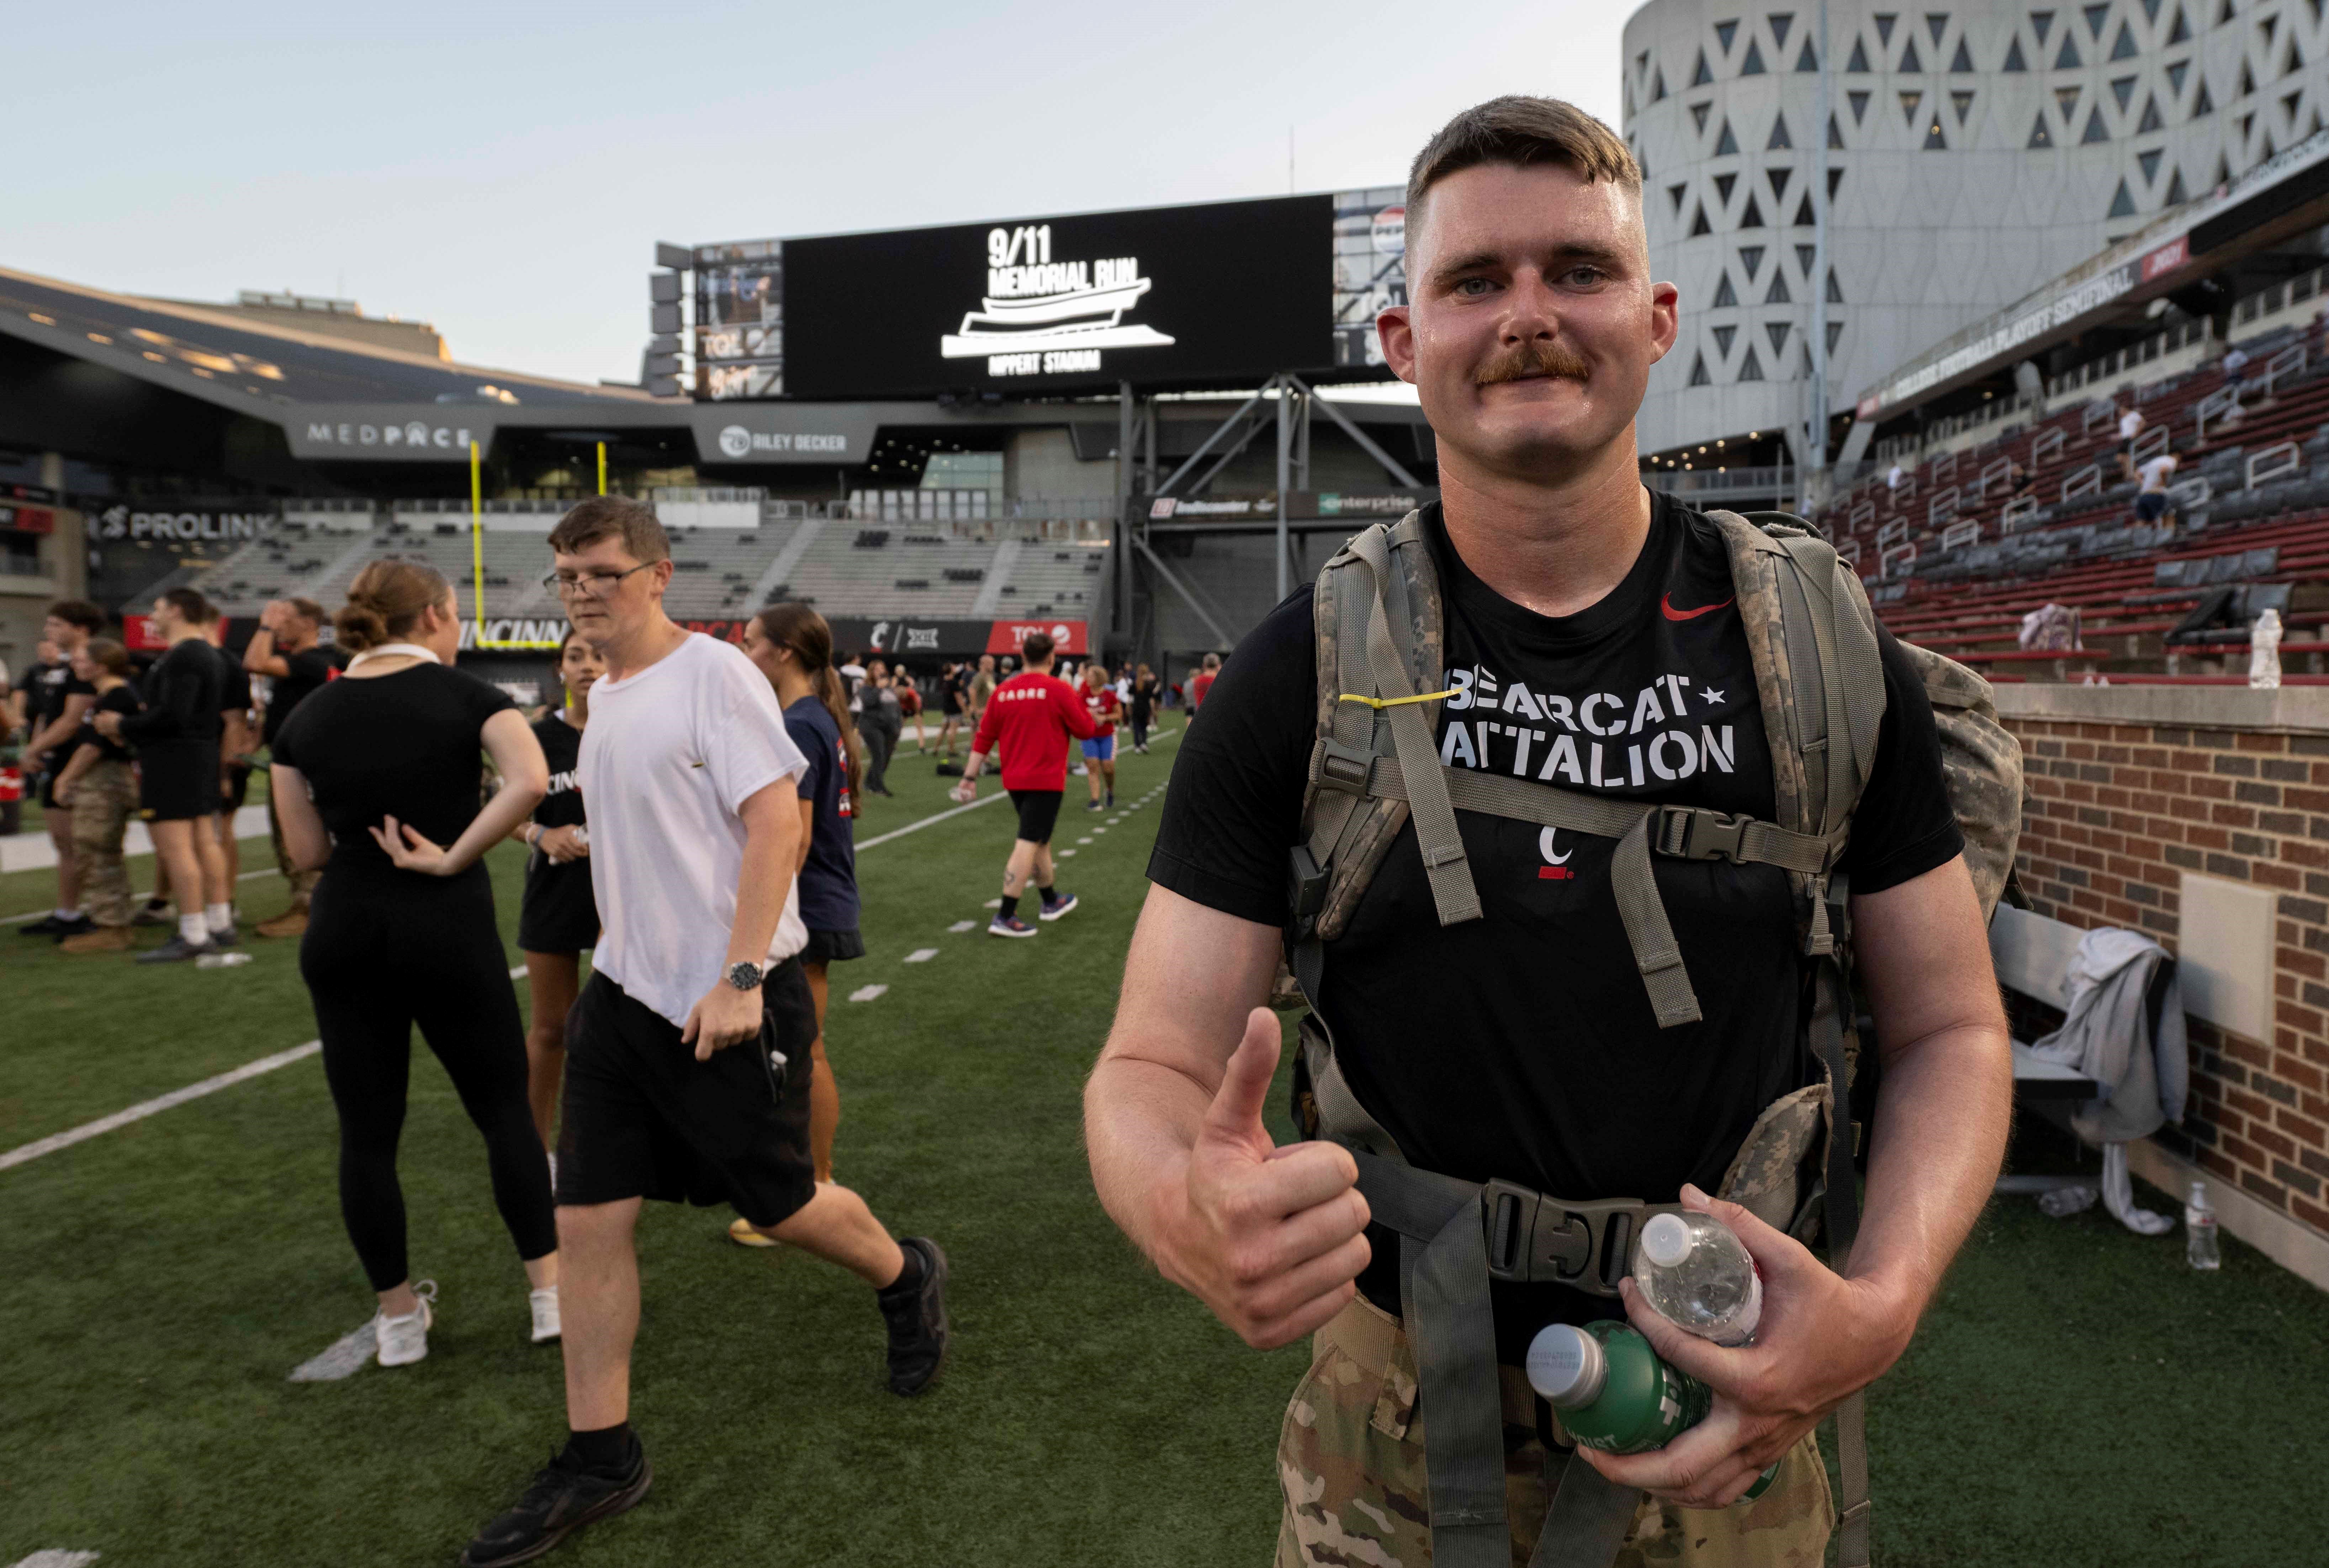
[{"x": 1557, "y": 870}]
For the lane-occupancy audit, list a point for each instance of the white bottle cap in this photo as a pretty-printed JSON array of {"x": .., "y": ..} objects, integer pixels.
[
  {"x": 1566, "y": 1366},
  {"x": 1666, "y": 1240}
]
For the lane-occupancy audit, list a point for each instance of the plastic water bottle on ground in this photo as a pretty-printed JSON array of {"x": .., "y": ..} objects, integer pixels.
[
  {"x": 1615, "y": 1393},
  {"x": 222, "y": 960},
  {"x": 2200, "y": 1229},
  {"x": 1698, "y": 1274}
]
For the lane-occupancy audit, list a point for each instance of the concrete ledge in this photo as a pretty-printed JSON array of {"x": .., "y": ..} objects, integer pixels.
[
  {"x": 2290, "y": 1242},
  {"x": 2287, "y": 710},
  {"x": 32, "y": 851}
]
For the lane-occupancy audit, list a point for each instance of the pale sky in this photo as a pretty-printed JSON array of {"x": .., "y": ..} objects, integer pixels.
[{"x": 503, "y": 170}]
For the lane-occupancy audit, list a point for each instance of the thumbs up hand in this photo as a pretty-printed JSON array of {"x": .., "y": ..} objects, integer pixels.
[{"x": 1271, "y": 1238}]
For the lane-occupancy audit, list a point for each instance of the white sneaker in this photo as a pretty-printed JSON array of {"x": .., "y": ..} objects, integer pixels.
[
  {"x": 544, "y": 1303},
  {"x": 404, "y": 1340}
]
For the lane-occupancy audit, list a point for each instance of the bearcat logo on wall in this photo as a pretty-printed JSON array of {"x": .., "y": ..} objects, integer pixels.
[{"x": 1159, "y": 296}]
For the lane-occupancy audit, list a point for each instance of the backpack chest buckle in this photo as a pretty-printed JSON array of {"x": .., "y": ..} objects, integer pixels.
[
  {"x": 1695, "y": 833},
  {"x": 1537, "y": 1239}
]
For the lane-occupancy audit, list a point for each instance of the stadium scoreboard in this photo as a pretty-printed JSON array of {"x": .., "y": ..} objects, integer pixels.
[{"x": 1224, "y": 293}]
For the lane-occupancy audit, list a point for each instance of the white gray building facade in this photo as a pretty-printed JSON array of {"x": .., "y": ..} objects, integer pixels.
[{"x": 1974, "y": 151}]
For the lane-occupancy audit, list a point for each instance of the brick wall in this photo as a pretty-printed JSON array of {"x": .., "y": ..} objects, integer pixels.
[{"x": 2129, "y": 787}]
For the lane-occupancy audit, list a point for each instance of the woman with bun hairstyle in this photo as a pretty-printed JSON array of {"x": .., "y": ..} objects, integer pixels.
[
  {"x": 557, "y": 916},
  {"x": 793, "y": 647},
  {"x": 377, "y": 776}
]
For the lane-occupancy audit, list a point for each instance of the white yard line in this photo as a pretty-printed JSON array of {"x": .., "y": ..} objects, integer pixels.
[
  {"x": 140, "y": 898},
  {"x": 138, "y": 1113},
  {"x": 959, "y": 927},
  {"x": 58, "y": 1557},
  {"x": 161, "y": 1102},
  {"x": 921, "y": 955}
]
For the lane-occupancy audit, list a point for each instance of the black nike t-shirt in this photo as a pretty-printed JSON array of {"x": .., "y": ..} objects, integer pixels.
[
  {"x": 307, "y": 671},
  {"x": 1521, "y": 1044}
]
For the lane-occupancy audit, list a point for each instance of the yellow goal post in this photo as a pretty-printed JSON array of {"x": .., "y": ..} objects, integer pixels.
[{"x": 477, "y": 559}]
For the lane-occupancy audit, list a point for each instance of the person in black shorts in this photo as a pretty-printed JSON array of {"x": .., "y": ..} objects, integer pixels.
[
  {"x": 177, "y": 743},
  {"x": 793, "y": 647},
  {"x": 954, "y": 704},
  {"x": 1147, "y": 691},
  {"x": 1029, "y": 719},
  {"x": 379, "y": 776},
  {"x": 684, "y": 1078},
  {"x": 55, "y": 699},
  {"x": 558, "y": 917},
  {"x": 238, "y": 739}
]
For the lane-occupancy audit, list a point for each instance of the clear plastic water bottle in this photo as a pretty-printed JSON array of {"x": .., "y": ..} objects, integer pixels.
[
  {"x": 2264, "y": 653},
  {"x": 1698, "y": 1274},
  {"x": 2200, "y": 1229},
  {"x": 222, "y": 960}
]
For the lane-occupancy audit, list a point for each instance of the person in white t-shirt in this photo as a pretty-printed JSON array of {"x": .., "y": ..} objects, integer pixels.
[
  {"x": 2151, "y": 502},
  {"x": 2130, "y": 426},
  {"x": 687, "y": 1055}
]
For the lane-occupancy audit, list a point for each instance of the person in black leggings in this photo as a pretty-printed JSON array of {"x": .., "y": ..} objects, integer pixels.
[{"x": 379, "y": 771}]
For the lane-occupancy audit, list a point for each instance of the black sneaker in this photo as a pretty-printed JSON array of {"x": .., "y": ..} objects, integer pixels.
[
  {"x": 559, "y": 1500},
  {"x": 918, "y": 1322},
  {"x": 154, "y": 915},
  {"x": 177, "y": 950},
  {"x": 227, "y": 938},
  {"x": 46, "y": 925},
  {"x": 60, "y": 929}
]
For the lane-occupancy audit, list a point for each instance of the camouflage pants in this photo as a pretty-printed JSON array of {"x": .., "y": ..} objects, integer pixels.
[
  {"x": 104, "y": 799},
  {"x": 1350, "y": 1463},
  {"x": 303, "y": 883}
]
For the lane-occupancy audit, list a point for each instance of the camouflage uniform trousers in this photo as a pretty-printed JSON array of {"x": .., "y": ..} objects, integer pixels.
[
  {"x": 104, "y": 799},
  {"x": 303, "y": 883},
  {"x": 1350, "y": 1463}
]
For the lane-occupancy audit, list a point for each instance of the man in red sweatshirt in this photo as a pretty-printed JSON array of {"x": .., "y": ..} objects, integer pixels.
[{"x": 1032, "y": 714}]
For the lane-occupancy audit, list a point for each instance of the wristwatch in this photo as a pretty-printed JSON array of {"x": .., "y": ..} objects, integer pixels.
[{"x": 744, "y": 976}]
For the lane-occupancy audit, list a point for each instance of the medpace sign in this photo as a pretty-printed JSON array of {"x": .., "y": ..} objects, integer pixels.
[{"x": 1156, "y": 297}]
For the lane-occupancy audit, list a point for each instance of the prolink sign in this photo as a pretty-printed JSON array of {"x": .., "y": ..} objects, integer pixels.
[{"x": 178, "y": 523}]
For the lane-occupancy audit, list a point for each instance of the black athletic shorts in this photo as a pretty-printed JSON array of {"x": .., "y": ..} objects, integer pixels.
[
  {"x": 236, "y": 789},
  {"x": 2150, "y": 506},
  {"x": 833, "y": 946},
  {"x": 178, "y": 781},
  {"x": 557, "y": 912},
  {"x": 642, "y": 1118},
  {"x": 1039, "y": 814}
]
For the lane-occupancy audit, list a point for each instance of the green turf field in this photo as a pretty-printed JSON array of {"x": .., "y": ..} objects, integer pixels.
[{"x": 2077, "y": 1397}]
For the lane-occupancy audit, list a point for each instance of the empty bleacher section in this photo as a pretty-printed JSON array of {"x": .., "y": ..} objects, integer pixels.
[
  {"x": 1971, "y": 541},
  {"x": 917, "y": 554}
]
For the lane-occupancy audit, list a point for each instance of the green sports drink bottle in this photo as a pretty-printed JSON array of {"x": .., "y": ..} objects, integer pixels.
[{"x": 1615, "y": 1393}]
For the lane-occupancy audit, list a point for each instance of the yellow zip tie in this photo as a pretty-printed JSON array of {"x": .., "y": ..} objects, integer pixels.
[{"x": 1380, "y": 703}]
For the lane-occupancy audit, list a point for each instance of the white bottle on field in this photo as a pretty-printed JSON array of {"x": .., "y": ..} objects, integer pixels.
[
  {"x": 1698, "y": 1274},
  {"x": 2200, "y": 1229}
]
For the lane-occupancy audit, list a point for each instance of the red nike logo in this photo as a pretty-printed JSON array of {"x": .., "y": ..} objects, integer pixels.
[{"x": 1666, "y": 604}]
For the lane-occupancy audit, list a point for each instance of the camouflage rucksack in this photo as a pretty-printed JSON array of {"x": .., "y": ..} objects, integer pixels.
[{"x": 1812, "y": 638}]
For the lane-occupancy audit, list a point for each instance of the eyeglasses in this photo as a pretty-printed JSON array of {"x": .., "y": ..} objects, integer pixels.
[{"x": 589, "y": 585}]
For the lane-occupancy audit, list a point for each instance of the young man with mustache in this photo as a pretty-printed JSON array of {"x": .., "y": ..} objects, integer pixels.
[{"x": 1592, "y": 642}]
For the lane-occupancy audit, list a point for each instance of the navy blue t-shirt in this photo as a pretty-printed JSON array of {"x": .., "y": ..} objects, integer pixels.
[{"x": 828, "y": 881}]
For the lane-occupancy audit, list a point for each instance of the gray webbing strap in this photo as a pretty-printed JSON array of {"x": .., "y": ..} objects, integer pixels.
[
  {"x": 1452, "y": 1329},
  {"x": 1829, "y": 999},
  {"x": 1656, "y": 953},
  {"x": 1590, "y": 1517},
  {"x": 1437, "y": 835},
  {"x": 1351, "y": 725},
  {"x": 1523, "y": 800}
]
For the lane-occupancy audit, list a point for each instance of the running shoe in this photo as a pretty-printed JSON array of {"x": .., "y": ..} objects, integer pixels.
[
  {"x": 226, "y": 938},
  {"x": 79, "y": 925},
  {"x": 544, "y": 1304},
  {"x": 1111, "y": 800},
  {"x": 1053, "y": 909},
  {"x": 1010, "y": 925},
  {"x": 740, "y": 1232},
  {"x": 152, "y": 913},
  {"x": 560, "y": 1500},
  {"x": 1093, "y": 806},
  {"x": 46, "y": 925},
  {"x": 177, "y": 950},
  {"x": 405, "y": 1340},
  {"x": 918, "y": 1322}
]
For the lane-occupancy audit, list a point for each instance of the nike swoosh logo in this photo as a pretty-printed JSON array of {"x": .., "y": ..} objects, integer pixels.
[{"x": 1666, "y": 604}]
